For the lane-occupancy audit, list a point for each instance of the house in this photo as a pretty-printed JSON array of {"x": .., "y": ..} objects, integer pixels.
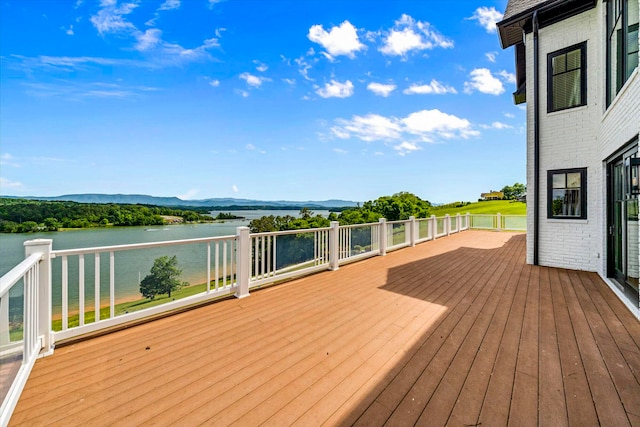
[
  {"x": 577, "y": 72},
  {"x": 492, "y": 195}
]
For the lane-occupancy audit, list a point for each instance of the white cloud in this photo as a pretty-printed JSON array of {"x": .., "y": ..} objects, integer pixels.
[
  {"x": 341, "y": 40},
  {"x": 234, "y": 188},
  {"x": 242, "y": 93},
  {"x": 340, "y": 133},
  {"x": 260, "y": 66},
  {"x": 68, "y": 31},
  {"x": 148, "y": 40},
  {"x": 255, "y": 81},
  {"x": 409, "y": 35},
  {"x": 406, "y": 147},
  {"x": 7, "y": 159},
  {"x": 304, "y": 67},
  {"x": 80, "y": 90},
  {"x": 408, "y": 132},
  {"x": 6, "y": 183},
  {"x": 289, "y": 81},
  {"x": 170, "y": 5},
  {"x": 435, "y": 87},
  {"x": 510, "y": 115},
  {"x": 381, "y": 89},
  {"x": 483, "y": 81},
  {"x": 340, "y": 151},
  {"x": 335, "y": 89},
  {"x": 487, "y": 17},
  {"x": 214, "y": 83},
  {"x": 491, "y": 56},
  {"x": 371, "y": 127},
  {"x": 250, "y": 147},
  {"x": 497, "y": 125},
  {"x": 507, "y": 76},
  {"x": 428, "y": 122},
  {"x": 190, "y": 194},
  {"x": 110, "y": 19}
]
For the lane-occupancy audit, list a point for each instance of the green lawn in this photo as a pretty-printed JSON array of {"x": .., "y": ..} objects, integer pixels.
[
  {"x": 505, "y": 207},
  {"x": 128, "y": 307}
]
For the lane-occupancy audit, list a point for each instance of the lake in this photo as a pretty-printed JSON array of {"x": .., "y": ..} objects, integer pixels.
[{"x": 130, "y": 265}]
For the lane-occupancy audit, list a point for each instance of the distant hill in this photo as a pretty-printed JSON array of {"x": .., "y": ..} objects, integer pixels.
[{"x": 175, "y": 201}]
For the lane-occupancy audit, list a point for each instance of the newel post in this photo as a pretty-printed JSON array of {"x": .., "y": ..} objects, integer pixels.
[
  {"x": 498, "y": 221},
  {"x": 243, "y": 259},
  {"x": 447, "y": 224},
  {"x": 458, "y": 223},
  {"x": 383, "y": 236},
  {"x": 412, "y": 230},
  {"x": 44, "y": 330},
  {"x": 4, "y": 321},
  {"x": 334, "y": 247},
  {"x": 433, "y": 223},
  {"x": 468, "y": 221}
]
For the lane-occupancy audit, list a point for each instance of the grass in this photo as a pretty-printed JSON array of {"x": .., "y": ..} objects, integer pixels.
[
  {"x": 131, "y": 306},
  {"x": 505, "y": 207}
]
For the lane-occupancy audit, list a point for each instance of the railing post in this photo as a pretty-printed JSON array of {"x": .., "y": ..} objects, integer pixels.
[
  {"x": 447, "y": 224},
  {"x": 334, "y": 246},
  {"x": 433, "y": 222},
  {"x": 458, "y": 223},
  {"x": 383, "y": 236},
  {"x": 498, "y": 221},
  {"x": 43, "y": 328},
  {"x": 412, "y": 230},
  {"x": 4, "y": 321},
  {"x": 243, "y": 259},
  {"x": 468, "y": 221}
]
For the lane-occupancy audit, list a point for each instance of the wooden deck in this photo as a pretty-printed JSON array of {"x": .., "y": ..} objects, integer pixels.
[{"x": 459, "y": 331}]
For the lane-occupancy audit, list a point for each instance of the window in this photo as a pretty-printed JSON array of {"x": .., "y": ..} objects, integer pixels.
[
  {"x": 567, "y": 78},
  {"x": 567, "y": 193},
  {"x": 622, "y": 44}
]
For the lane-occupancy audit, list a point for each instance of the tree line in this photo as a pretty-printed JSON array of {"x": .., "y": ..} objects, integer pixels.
[
  {"x": 396, "y": 207},
  {"x": 23, "y": 216}
]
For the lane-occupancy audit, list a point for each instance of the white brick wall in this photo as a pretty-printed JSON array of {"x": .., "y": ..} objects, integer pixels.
[{"x": 575, "y": 138}]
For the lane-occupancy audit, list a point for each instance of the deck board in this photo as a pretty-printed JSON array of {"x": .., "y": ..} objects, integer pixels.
[{"x": 457, "y": 331}]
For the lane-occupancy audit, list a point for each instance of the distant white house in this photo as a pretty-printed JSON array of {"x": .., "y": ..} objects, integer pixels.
[
  {"x": 492, "y": 195},
  {"x": 577, "y": 71}
]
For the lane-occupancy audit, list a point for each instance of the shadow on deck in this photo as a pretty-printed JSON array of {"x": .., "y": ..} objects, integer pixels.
[{"x": 458, "y": 331}]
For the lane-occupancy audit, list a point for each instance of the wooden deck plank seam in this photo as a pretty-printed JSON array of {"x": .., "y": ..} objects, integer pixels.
[
  {"x": 515, "y": 272},
  {"x": 482, "y": 295}
]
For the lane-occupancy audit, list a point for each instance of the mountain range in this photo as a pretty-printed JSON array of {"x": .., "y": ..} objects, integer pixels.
[{"x": 175, "y": 201}]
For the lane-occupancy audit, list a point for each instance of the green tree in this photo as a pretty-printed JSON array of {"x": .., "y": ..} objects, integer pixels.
[
  {"x": 51, "y": 224},
  {"x": 164, "y": 278},
  {"x": 29, "y": 227},
  {"x": 306, "y": 213},
  {"x": 514, "y": 192}
]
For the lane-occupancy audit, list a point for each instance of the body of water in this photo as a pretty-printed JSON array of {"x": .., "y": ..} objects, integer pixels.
[{"x": 131, "y": 265}]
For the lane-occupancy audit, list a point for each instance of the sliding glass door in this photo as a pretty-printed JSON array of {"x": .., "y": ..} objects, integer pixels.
[{"x": 623, "y": 242}]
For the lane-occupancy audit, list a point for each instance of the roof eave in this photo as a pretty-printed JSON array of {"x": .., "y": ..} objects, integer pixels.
[{"x": 511, "y": 29}]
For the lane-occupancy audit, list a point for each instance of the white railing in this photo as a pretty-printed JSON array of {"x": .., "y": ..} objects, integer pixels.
[
  {"x": 95, "y": 272},
  {"x": 358, "y": 241},
  {"x": 20, "y": 343},
  {"x": 499, "y": 222},
  {"x": 89, "y": 287},
  {"x": 275, "y": 258}
]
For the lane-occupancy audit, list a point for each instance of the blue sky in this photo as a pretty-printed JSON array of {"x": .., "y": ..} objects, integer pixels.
[{"x": 271, "y": 100}]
